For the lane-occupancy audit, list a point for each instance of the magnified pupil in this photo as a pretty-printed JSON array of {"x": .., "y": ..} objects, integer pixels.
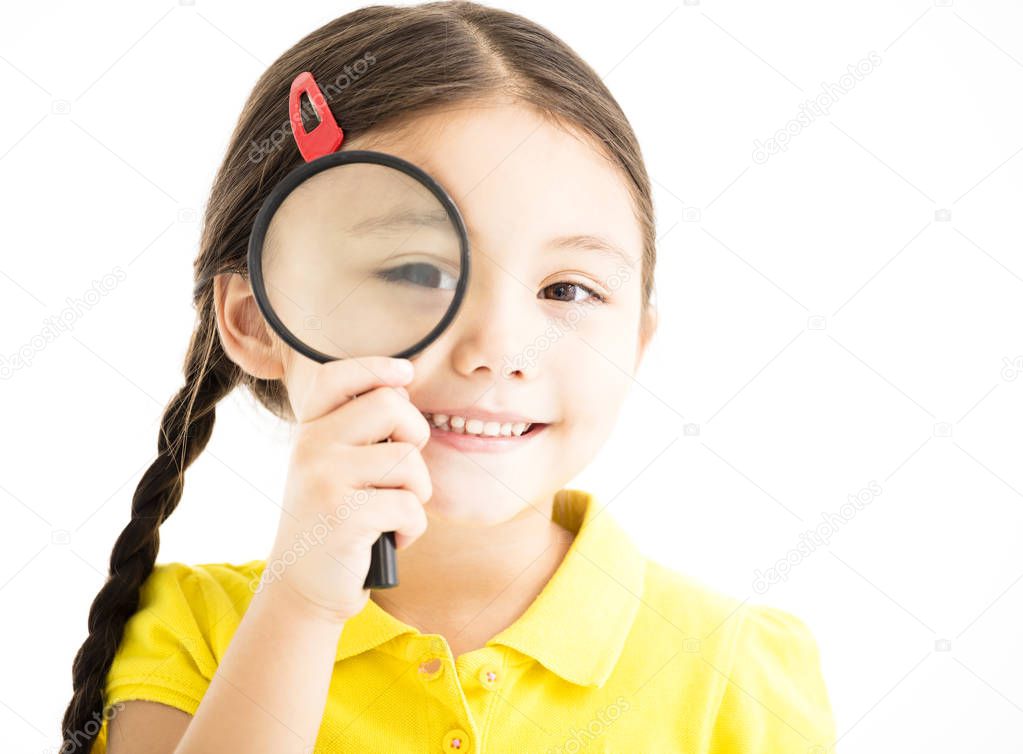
[{"x": 418, "y": 273}]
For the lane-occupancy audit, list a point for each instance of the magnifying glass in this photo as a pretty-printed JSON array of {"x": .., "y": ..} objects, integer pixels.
[{"x": 353, "y": 254}]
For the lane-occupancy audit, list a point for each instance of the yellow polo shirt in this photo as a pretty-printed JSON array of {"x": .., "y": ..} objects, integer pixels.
[{"x": 617, "y": 654}]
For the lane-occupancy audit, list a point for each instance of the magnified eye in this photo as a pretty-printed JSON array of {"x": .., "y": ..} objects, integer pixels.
[{"x": 421, "y": 274}]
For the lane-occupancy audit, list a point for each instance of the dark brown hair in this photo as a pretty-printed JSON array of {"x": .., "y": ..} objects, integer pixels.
[{"x": 413, "y": 58}]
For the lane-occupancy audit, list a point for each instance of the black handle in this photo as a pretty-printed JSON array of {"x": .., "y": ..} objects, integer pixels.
[
  {"x": 383, "y": 560},
  {"x": 383, "y": 564}
]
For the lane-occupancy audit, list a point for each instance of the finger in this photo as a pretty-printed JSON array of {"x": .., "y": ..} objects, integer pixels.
[
  {"x": 393, "y": 465},
  {"x": 373, "y": 417},
  {"x": 394, "y": 510},
  {"x": 336, "y": 382}
]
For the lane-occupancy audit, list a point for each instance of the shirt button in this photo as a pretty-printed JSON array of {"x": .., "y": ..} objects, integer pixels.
[
  {"x": 431, "y": 669},
  {"x": 488, "y": 676},
  {"x": 456, "y": 740}
]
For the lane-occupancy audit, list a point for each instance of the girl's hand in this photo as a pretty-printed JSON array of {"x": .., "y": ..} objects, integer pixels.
[{"x": 345, "y": 487}]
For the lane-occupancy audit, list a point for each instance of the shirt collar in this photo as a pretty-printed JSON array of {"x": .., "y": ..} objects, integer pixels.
[{"x": 578, "y": 624}]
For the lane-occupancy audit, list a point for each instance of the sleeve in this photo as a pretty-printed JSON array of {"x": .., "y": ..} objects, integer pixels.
[
  {"x": 173, "y": 643},
  {"x": 775, "y": 699},
  {"x": 165, "y": 654}
]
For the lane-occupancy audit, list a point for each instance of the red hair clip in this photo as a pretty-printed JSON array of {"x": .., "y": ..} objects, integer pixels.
[{"x": 327, "y": 136}]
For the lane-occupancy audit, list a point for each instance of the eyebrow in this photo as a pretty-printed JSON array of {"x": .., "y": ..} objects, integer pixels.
[
  {"x": 593, "y": 243},
  {"x": 404, "y": 218}
]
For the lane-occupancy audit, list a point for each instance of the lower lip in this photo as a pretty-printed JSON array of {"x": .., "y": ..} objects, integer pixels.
[{"x": 483, "y": 444}]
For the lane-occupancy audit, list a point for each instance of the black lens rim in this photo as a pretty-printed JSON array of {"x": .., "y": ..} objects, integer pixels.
[{"x": 307, "y": 170}]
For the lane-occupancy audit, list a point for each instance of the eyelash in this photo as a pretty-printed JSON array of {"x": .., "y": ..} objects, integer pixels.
[{"x": 593, "y": 294}]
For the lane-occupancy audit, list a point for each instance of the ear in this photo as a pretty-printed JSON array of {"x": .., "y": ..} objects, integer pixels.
[
  {"x": 244, "y": 332},
  {"x": 647, "y": 328}
]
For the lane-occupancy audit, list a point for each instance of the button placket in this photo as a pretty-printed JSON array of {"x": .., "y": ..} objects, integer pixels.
[{"x": 430, "y": 659}]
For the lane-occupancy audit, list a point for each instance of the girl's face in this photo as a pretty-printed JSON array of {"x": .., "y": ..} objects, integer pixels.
[{"x": 552, "y": 231}]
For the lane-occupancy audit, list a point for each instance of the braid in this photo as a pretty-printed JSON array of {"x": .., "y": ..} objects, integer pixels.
[{"x": 185, "y": 429}]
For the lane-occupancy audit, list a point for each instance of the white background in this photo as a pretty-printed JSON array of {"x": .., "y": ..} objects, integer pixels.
[{"x": 820, "y": 328}]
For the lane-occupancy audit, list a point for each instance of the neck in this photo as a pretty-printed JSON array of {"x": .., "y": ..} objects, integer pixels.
[{"x": 470, "y": 582}]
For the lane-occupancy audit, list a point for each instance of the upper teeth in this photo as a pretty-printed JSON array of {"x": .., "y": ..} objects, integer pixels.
[{"x": 462, "y": 425}]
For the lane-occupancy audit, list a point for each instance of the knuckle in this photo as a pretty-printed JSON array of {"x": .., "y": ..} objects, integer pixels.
[
  {"x": 422, "y": 470},
  {"x": 426, "y": 428},
  {"x": 366, "y": 401},
  {"x": 398, "y": 402},
  {"x": 406, "y": 501},
  {"x": 402, "y": 450},
  {"x": 417, "y": 527},
  {"x": 389, "y": 396},
  {"x": 413, "y": 508},
  {"x": 427, "y": 491},
  {"x": 354, "y": 499}
]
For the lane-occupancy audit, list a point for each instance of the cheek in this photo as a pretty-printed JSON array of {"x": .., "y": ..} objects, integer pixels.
[
  {"x": 592, "y": 395},
  {"x": 606, "y": 339},
  {"x": 594, "y": 369}
]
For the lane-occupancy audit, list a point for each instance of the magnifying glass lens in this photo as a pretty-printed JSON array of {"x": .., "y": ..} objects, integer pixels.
[
  {"x": 359, "y": 254},
  {"x": 361, "y": 259}
]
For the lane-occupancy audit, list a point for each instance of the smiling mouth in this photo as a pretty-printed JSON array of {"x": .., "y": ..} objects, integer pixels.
[{"x": 483, "y": 429}]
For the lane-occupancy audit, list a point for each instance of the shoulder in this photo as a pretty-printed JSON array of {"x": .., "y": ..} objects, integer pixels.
[
  {"x": 757, "y": 667},
  {"x": 700, "y": 610},
  {"x": 194, "y": 581},
  {"x": 202, "y": 589},
  {"x": 772, "y": 632},
  {"x": 669, "y": 587},
  {"x": 194, "y": 608},
  {"x": 190, "y": 575}
]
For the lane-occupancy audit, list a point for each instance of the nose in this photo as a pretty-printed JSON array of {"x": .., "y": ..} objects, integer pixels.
[{"x": 495, "y": 325}]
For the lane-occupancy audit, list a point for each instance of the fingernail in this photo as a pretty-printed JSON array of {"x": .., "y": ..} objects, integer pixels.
[{"x": 405, "y": 368}]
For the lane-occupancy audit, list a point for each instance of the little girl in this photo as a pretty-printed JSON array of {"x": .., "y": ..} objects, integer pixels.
[{"x": 525, "y": 620}]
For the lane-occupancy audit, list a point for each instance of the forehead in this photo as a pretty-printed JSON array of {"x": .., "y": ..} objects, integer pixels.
[{"x": 517, "y": 177}]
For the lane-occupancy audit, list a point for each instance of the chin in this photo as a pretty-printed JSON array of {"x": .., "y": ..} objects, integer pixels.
[{"x": 475, "y": 505}]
